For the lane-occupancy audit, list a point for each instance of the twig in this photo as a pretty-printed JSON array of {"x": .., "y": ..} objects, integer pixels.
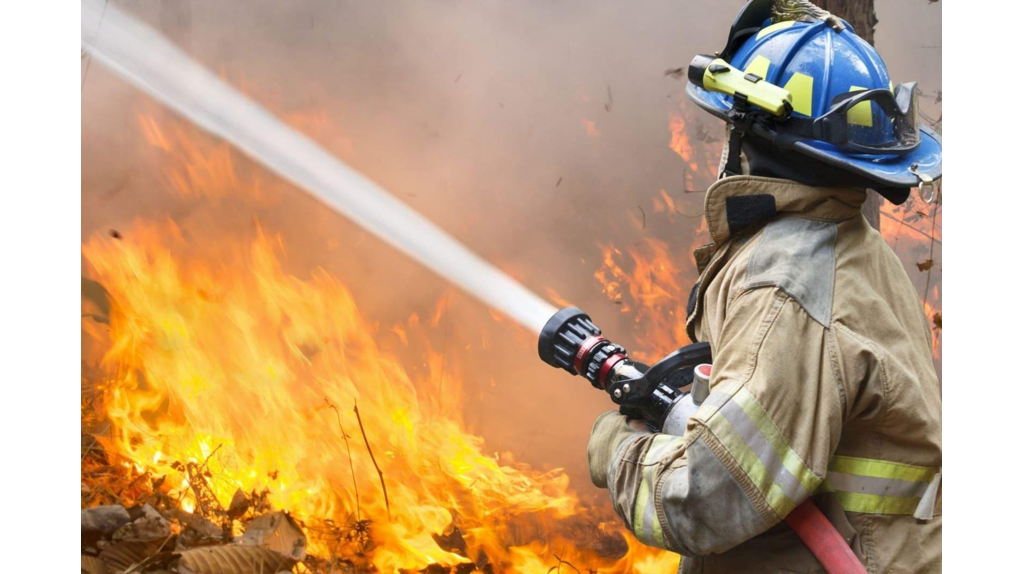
[
  {"x": 135, "y": 567},
  {"x": 643, "y": 214},
  {"x": 206, "y": 461},
  {"x": 95, "y": 442},
  {"x": 444, "y": 354},
  {"x": 558, "y": 567},
  {"x": 931, "y": 249},
  {"x": 344, "y": 435},
  {"x": 903, "y": 222},
  {"x": 380, "y": 473},
  {"x": 912, "y": 228},
  {"x": 88, "y": 62}
]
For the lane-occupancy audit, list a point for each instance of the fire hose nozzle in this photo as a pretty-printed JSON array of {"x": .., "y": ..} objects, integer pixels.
[{"x": 571, "y": 341}]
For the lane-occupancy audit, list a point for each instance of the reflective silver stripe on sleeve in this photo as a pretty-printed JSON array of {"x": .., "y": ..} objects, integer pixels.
[
  {"x": 646, "y": 525},
  {"x": 876, "y": 486},
  {"x": 716, "y": 399},
  {"x": 751, "y": 435}
]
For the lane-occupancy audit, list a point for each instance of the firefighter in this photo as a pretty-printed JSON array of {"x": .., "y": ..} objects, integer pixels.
[{"x": 823, "y": 385}]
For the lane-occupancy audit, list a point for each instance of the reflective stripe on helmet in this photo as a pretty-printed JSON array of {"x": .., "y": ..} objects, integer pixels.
[
  {"x": 759, "y": 67},
  {"x": 775, "y": 28},
  {"x": 861, "y": 113},
  {"x": 802, "y": 88},
  {"x": 872, "y": 486}
]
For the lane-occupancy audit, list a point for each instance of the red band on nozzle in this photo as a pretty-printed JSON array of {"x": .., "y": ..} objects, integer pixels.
[
  {"x": 608, "y": 365},
  {"x": 584, "y": 349}
]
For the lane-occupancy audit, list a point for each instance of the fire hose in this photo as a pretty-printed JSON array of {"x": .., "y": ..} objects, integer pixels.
[{"x": 568, "y": 338}]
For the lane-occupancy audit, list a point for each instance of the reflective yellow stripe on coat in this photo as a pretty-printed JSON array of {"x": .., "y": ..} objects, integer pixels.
[
  {"x": 751, "y": 437},
  {"x": 646, "y": 525},
  {"x": 873, "y": 486}
]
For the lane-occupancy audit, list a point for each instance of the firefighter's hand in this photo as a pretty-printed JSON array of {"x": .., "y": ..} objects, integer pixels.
[
  {"x": 610, "y": 430},
  {"x": 637, "y": 424}
]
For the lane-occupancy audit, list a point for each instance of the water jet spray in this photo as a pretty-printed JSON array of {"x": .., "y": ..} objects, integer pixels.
[
  {"x": 146, "y": 59},
  {"x": 568, "y": 338}
]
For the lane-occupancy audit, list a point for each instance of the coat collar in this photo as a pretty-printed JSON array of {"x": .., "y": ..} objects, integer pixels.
[{"x": 743, "y": 202}]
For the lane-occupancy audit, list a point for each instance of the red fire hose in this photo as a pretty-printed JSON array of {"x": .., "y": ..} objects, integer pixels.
[{"x": 824, "y": 541}]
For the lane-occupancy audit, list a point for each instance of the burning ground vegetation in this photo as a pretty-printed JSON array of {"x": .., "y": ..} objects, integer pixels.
[
  {"x": 224, "y": 431},
  {"x": 237, "y": 417}
]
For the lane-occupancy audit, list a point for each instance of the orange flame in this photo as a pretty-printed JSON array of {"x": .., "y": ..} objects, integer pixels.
[
  {"x": 681, "y": 140},
  {"x": 214, "y": 354}
]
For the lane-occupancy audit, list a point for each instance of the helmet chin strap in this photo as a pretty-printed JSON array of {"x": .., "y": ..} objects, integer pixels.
[{"x": 732, "y": 160}]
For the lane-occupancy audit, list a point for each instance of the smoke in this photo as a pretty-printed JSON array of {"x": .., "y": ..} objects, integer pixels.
[{"x": 530, "y": 131}]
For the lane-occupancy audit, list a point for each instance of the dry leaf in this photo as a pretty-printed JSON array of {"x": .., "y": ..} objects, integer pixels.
[
  {"x": 239, "y": 504},
  {"x": 925, "y": 265},
  {"x": 197, "y": 530},
  {"x": 234, "y": 560},
  {"x": 147, "y": 524},
  {"x": 102, "y": 521},
  {"x": 121, "y": 556},
  {"x": 93, "y": 565},
  {"x": 937, "y": 320},
  {"x": 279, "y": 532}
]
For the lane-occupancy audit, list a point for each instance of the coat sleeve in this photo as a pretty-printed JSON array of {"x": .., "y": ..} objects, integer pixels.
[{"x": 756, "y": 448}]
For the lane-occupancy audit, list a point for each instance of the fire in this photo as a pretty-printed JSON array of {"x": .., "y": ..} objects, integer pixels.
[
  {"x": 193, "y": 166},
  {"x": 914, "y": 231},
  {"x": 681, "y": 140},
  {"x": 652, "y": 290},
  {"x": 222, "y": 373}
]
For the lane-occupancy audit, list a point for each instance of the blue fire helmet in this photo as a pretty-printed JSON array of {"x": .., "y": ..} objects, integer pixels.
[{"x": 844, "y": 112}]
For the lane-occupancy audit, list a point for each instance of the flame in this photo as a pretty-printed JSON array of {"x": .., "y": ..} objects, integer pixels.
[
  {"x": 193, "y": 166},
  {"x": 652, "y": 281},
  {"x": 591, "y": 128},
  {"x": 222, "y": 372},
  {"x": 914, "y": 231},
  {"x": 680, "y": 142}
]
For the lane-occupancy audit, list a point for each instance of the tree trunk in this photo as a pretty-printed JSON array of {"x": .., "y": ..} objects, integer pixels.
[{"x": 861, "y": 15}]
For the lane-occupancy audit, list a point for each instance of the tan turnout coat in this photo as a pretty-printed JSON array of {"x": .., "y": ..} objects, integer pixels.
[{"x": 823, "y": 386}]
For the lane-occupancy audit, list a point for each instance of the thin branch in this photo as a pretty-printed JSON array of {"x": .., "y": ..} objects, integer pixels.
[
  {"x": 348, "y": 449},
  {"x": 558, "y": 567},
  {"x": 380, "y": 473},
  {"x": 912, "y": 228},
  {"x": 643, "y": 214},
  {"x": 88, "y": 62},
  {"x": 903, "y": 222},
  {"x": 931, "y": 249},
  {"x": 444, "y": 354}
]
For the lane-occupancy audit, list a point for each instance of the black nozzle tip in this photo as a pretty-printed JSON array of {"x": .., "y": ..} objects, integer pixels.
[
  {"x": 698, "y": 66},
  {"x": 557, "y": 322}
]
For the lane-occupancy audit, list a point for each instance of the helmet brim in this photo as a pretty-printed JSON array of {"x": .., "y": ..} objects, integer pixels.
[{"x": 889, "y": 171}]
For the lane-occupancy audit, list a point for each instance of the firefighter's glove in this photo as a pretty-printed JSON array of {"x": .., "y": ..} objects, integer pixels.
[{"x": 610, "y": 431}]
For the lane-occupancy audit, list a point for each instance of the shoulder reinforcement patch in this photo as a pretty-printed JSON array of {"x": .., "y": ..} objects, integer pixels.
[{"x": 798, "y": 256}]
